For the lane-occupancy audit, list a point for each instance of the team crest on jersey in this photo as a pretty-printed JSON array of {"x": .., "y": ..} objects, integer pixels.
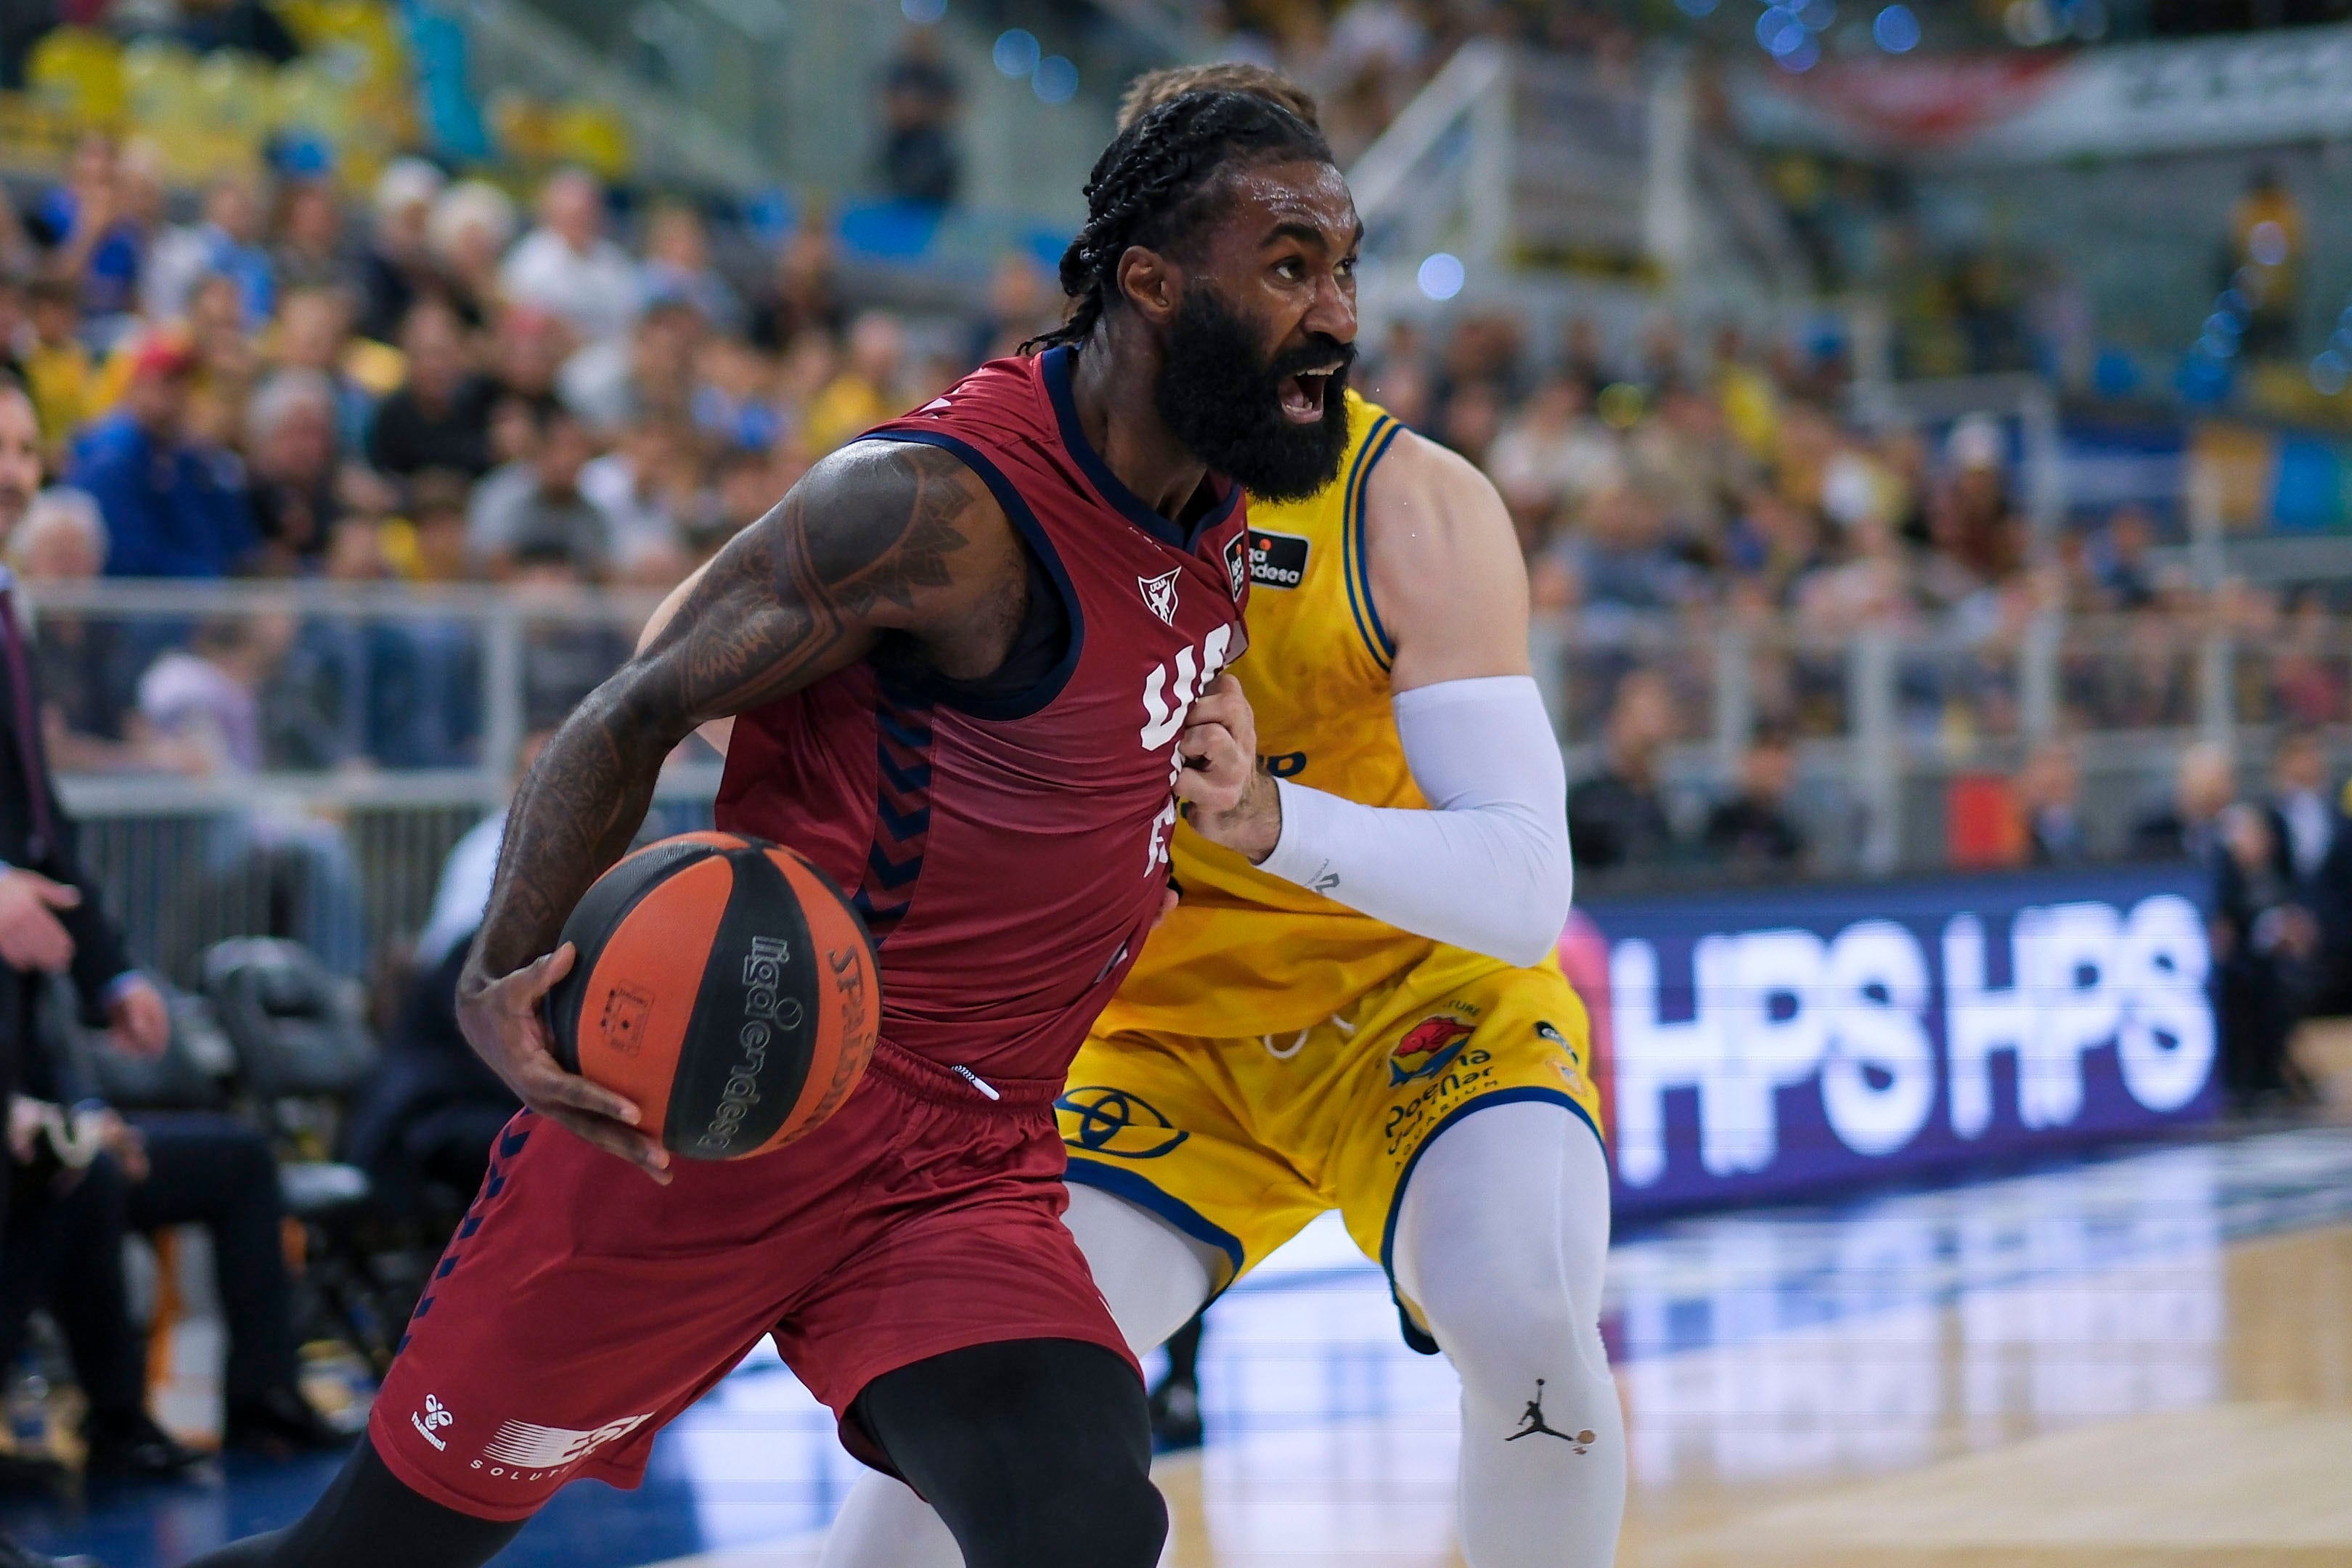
[
  {"x": 1428, "y": 1049},
  {"x": 1159, "y": 594},
  {"x": 1237, "y": 564}
]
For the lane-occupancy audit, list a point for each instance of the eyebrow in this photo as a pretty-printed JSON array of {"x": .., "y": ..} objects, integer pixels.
[{"x": 1308, "y": 233}]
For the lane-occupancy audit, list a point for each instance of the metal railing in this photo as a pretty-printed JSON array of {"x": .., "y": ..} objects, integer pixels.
[{"x": 305, "y": 754}]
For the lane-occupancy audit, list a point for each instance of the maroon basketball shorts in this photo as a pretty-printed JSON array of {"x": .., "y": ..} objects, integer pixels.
[{"x": 581, "y": 1306}]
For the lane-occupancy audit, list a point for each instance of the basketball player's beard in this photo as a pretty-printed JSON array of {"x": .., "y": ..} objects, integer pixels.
[{"x": 1223, "y": 397}]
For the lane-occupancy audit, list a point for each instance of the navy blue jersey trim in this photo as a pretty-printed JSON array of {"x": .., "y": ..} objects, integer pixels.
[
  {"x": 902, "y": 811},
  {"x": 1054, "y": 365},
  {"x": 1035, "y": 698},
  {"x": 1358, "y": 562},
  {"x": 1138, "y": 1191}
]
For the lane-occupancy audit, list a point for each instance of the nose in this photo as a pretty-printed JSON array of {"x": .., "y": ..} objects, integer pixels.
[{"x": 1332, "y": 313}]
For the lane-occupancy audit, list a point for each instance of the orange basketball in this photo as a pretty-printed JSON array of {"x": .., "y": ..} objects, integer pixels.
[{"x": 724, "y": 985}]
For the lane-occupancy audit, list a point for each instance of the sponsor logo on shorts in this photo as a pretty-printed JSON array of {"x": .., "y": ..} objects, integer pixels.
[
  {"x": 1099, "y": 1120},
  {"x": 626, "y": 1013},
  {"x": 1572, "y": 1071},
  {"x": 1159, "y": 594},
  {"x": 1428, "y": 1049},
  {"x": 1237, "y": 564},
  {"x": 522, "y": 1450},
  {"x": 431, "y": 1419},
  {"x": 765, "y": 1012},
  {"x": 1428, "y": 1100},
  {"x": 1277, "y": 560}
]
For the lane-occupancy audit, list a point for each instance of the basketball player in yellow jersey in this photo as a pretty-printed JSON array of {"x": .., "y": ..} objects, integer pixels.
[{"x": 1355, "y": 1005}]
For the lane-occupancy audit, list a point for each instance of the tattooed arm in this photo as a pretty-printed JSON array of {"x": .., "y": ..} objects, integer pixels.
[{"x": 880, "y": 537}]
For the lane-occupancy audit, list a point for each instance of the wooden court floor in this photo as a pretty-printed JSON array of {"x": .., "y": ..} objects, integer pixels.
[
  {"x": 2113, "y": 1380},
  {"x": 1915, "y": 1448},
  {"x": 2142, "y": 1358}
]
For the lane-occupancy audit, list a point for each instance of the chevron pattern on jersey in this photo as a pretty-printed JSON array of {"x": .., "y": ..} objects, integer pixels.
[{"x": 902, "y": 811}]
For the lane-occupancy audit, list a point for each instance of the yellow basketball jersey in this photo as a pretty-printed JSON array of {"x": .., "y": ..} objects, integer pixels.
[{"x": 1246, "y": 953}]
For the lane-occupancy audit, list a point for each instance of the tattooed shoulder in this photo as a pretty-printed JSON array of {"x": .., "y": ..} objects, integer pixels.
[
  {"x": 878, "y": 539},
  {"x": 876, "y": 524}
]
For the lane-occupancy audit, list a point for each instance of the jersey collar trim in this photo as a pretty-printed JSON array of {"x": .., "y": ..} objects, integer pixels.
[
  {"x": 1037, "y": 698},
  {"x": 1055, "y": 365}
]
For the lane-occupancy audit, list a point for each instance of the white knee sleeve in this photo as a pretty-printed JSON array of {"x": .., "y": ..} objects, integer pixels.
[
  {"x": 1501, "y": 1244},
  {"x": 883, "y": 1524},
  {"x": 1153, "y": 1277}
]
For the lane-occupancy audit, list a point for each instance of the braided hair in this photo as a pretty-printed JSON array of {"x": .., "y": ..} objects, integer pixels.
[{"x": 1151, "y": 184}]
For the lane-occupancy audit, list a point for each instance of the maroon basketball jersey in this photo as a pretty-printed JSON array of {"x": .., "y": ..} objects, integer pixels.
[{"x": 1009, "y": 852}]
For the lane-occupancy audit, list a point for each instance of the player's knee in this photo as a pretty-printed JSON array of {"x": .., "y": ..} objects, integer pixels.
[
  {"x": 1501, "y": 1333},
  {"x": 1081, "y": 1508},
  {"x": 1110, "y": 1514}
]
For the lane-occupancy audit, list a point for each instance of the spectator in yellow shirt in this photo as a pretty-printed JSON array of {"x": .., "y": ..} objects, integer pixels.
[
  {"x": 58, "y": 368},
  {"x": 865, "y": 392}
]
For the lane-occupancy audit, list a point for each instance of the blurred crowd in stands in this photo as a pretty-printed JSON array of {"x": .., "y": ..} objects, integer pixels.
[
  {"x": 1364, "y": 61},
  {"x": 438, "y": 386}
]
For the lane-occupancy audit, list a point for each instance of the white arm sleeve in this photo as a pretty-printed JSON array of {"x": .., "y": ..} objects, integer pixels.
[{"x": 1488, "y": 868}]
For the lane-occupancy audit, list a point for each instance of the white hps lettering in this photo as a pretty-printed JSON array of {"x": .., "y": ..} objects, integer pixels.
[
  {"x": 2080, "y": 976},
  {"x": 765, "y": 1011},
  {"x": 1774, "y": 1009}
]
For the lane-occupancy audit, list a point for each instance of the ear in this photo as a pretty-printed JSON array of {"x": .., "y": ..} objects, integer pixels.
[{"x": 1151, "y": 282}]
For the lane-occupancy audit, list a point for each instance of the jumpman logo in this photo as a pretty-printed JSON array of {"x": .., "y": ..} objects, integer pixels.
[{"x": 1533, "y": 1422}]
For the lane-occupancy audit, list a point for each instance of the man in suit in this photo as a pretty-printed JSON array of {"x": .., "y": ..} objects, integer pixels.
[
  {"x": 50, "y": 916},
  {"x": 2303, "y": 816}
]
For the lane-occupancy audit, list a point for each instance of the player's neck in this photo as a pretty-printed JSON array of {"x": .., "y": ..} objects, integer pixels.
[{"x": 1111, "y": 384}]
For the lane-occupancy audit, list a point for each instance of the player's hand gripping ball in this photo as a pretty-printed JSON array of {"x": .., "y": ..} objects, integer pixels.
[{"x": 725, "y": 986}]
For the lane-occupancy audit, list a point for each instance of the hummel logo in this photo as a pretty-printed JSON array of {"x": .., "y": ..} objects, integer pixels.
[
  {"x": 1160, "y": 595},
  {"x": 434, "y": 1414}
]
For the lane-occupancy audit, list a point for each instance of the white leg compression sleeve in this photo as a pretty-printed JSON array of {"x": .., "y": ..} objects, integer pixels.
[
  {"x": 1154, "y": 1279},
  {"x": 1501, "y": 1243}
]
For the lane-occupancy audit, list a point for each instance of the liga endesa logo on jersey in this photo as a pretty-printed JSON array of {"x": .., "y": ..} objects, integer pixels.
[
  {"x": 1277, "y": 560},
  {"x": 1428, "y": 1049}
]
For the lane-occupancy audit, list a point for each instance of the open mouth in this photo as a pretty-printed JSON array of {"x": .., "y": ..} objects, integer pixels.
[{"x": 1302, "y": 395}]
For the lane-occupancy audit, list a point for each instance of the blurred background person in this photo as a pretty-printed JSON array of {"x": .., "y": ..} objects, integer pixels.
[
  {"x": 174, "y": 502},
  {"x": 439, "y": 416},
  {"x": 534, "y": 505},
  {"x": 2264, "y": 938},
  {"x": 51, "y": 922},
  {"x": 567, "y": 267},
  {"x": 2205, "y": 782},
  {"x": 2049, "y": 793},
  {"x": 1617, "y": 818},
  {"x": 1751, "y": 831},
  {"x": 919, "y": 101},
  {"x": 397, "y": 264}
]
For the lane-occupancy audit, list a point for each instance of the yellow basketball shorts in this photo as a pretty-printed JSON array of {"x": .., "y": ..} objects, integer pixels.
[{"x": 1240, "y": 1143}]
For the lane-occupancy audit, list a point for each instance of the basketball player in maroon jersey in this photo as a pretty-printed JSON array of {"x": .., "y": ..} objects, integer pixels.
[{"x": 972, "y": 661}]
